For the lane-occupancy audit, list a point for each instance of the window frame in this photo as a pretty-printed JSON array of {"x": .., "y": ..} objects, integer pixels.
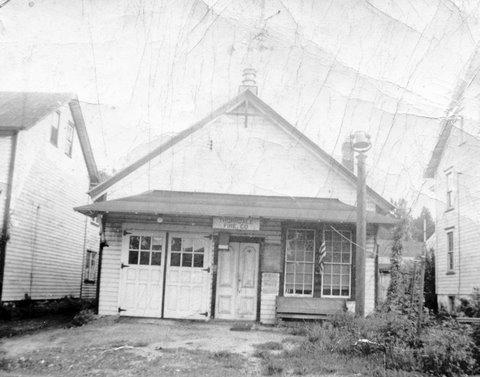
[
  {"x": 341, "y": 264},
  {"x": 186, "y": 239},
  {"x": 450, "y": 251},
  {"x": 55, "y": 129},
  {"x": 69, "y": 136},
  {"x": 90, "y": 273},
  {"x": 287, "y": 261},
  {"x": 449, "y": 189},
  {"x": 153, "y": 249}
]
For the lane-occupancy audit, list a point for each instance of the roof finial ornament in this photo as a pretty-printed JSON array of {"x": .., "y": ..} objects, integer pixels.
[{"x": 249, "y": 81}]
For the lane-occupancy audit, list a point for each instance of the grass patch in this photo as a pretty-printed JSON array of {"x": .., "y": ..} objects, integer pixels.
[
  {"x": 383, "y": 345},
  {"x": 228, "y": 359},
  {"x": 272, "y": 367},
  {"x": 271, "y": 346},
  {"x": 241, "y": 327}
]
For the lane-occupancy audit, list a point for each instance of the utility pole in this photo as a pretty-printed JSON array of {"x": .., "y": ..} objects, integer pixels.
[{"x": 361, "y": 144}]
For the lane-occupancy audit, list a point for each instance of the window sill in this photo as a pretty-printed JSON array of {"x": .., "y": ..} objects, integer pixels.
[
  {"x": 450, "y": 273},
  {"x": 88, "y": 281}
]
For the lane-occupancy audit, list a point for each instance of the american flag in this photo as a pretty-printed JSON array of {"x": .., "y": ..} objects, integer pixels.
[{"x": 321, "y": 256}]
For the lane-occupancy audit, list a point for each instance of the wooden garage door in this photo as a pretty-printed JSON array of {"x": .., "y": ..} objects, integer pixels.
[
  {"x": 141, "y": 276},
  {"x": 188, "y": 280}
]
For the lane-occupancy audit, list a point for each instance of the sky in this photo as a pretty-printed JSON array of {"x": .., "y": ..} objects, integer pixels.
[{"x": 145, "y": 70}]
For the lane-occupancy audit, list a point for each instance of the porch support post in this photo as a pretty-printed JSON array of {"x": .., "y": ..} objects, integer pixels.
[{"x": 361, "y": 238}]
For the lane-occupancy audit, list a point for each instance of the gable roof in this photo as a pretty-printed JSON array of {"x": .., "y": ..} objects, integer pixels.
[
  {"x": 22, "y": 110},
  {"x": 437, "y": 152},
  {"x": 250, "y": 99},
  {"x": 233, "y": 205}
]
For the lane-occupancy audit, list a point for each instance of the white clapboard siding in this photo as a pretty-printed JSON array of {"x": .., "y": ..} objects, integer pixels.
[
  {"x": 5, "y": 148},
  {"x": 461, "y": 157},
  {"x": 45, "y": 253},
  {"x": 258, "y": 159},
  {"x": 89, "y": 290}
]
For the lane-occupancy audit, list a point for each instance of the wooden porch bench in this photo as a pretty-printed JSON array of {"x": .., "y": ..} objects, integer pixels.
[{"x": 308, "y": 307}]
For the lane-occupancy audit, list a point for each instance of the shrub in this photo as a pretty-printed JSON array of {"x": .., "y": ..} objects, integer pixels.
[
  {"x": 476, "y": 342},
  {"x": 447, "y": 350},
  {"x": 298, "y": 329},
  {"x": 390, "y": 340},
  {"x": 28, "y": 308},
  {"x": 83, "y": 317},
  {"x": 471, "y": 307}
]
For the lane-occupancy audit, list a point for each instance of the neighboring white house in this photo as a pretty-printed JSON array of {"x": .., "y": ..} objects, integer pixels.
[
  {"x": 227, "y": 220},
  {"x": 455, "y": 170},
  {"x": 47, "y": 250}
]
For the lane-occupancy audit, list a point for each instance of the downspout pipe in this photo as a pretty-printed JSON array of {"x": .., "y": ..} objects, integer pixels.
[{"x": 6, "y": 211}]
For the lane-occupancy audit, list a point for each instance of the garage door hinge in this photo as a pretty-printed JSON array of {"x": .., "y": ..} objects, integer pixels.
[
  {"x": 125, "y": 232},
  {"x": 204, "y": 314},
  {"x": 207, "y": 269},
  {"x": 121, "y": 310},
  {"x": 124, "y": 265}
]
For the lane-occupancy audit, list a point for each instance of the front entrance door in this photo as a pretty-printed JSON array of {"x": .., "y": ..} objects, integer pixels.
[
  {"x": 188, "y": 282},
  {"x": 237, "y": 281},
  {"x": 141, "y": 274}
]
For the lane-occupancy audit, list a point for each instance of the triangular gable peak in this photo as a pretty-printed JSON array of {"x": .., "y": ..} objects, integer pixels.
[{"x": 244, "y": 147}]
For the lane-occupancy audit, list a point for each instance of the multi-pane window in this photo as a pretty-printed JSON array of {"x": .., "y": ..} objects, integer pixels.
[
  {"x": 336, "y": 277},
  {"x": 450, "y": 264},
  {"x": 449, "y": 190},
  {"x": 69, "y": 139},
  {"x": 54, "y": 128},
  {"x": 299, "y": 262},
  {"x": 91, "y": 266},
  {"x": 145, "y": 250},
  {"x": 187, "y": 252}
]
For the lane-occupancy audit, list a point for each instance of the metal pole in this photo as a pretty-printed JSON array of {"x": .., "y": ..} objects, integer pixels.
[{"x": 361, "y": 238}]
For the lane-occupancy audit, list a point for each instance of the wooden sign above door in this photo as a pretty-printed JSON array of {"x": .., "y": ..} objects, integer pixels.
[{"x": 236, "y": 223}]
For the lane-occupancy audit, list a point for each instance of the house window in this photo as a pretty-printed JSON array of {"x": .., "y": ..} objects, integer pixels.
[
  {"x": 187, "y": 252},
  {"x": 299, "y": 262},
  {"x": 450, "y": 264},
  {"x": 54, "y": 128},
  {"x": 69, "y": 139},
  {"x": 91, "y": 266},
  {"x": 449, "y": 190},
  {"x": 336, "y": 277},
  {"x": 145, "y": 250}
]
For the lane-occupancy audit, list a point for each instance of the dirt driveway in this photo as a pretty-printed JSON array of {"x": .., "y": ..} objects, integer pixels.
[{"x": 125, "y": 347}]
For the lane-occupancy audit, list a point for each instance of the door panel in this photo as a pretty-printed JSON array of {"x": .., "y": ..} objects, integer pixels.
[
  {"x": 187, "y": 286},
  {"x": 237, "y": 280},
  {"x": 141, "y": 277},
  {"x": 226, "y": 277}
]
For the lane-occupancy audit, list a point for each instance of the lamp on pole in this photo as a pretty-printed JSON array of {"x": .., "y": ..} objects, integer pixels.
[{"x": 361, "y": 144}]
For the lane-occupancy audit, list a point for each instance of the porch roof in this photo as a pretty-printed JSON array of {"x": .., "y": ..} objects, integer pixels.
[{"x": 233, "y": 205}]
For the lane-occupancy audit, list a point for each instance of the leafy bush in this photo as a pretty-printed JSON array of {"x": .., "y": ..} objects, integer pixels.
[
  {"x": 28, "y": 308},
  {"x": 471, "y": 307},
  {"x": 83, "y": 317},
  {"x": 447, "y": 350},
  {"x": 389, "y": 340}
]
